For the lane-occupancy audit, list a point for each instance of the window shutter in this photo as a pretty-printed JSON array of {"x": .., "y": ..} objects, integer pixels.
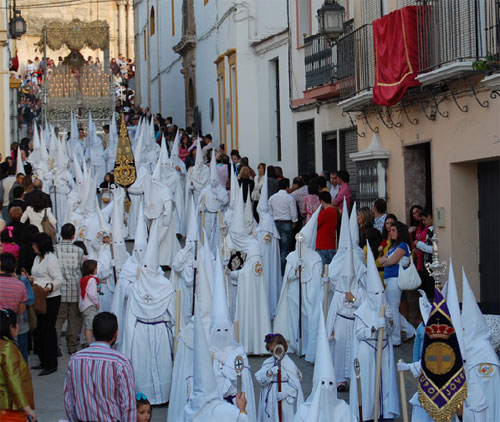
[{"x": 370, "y": 10}]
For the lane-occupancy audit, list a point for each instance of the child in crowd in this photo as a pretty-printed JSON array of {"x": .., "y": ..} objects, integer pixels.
[
  {"x": 89, "y": 300},
  {"x": 290, "y": 396},
  {"x": 7, "y": 238},
  {"x": 143, "y": 408}
]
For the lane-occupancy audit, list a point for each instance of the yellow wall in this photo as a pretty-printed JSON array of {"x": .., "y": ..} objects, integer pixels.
[{"x": 457, "y": 143}]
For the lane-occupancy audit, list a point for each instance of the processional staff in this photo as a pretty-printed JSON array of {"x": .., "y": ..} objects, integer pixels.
[
  {"x": 279, "y": 353},
  {"x": 300, "y": 238}
]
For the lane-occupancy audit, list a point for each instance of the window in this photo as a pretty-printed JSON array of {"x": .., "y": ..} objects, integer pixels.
[
  {"x": 233, "y": 97},
  {"x": 152, "y": 26},
  {"x": 173, "y": 18},
  {"x": 304, "y": 22},
  {"x": 221, "y": 92},
  {"x": 275, "y": 105}
]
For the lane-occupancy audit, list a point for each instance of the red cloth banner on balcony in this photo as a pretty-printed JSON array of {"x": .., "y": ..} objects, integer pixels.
[{"x": 396, "y": 55}]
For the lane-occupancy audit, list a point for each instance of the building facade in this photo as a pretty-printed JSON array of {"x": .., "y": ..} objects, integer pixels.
[
  {"x": 118, "y": 13},
  {"x": 439, "y": 143},
  {"x": 222, "y": 69}
]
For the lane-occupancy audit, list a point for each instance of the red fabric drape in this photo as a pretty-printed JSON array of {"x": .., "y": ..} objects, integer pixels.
[{"x": 396, "y": 55}]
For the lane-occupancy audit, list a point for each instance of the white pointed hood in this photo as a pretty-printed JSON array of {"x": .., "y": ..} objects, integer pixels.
[
  {"x": 151, "y": 258},
  {"x": 36, "y": 137},
  {"x": 425, "y": 306},
  {"x": 200, "y": 176},
  {"x": 141, "y": 235},
  {"x": 478, "y": 347},
  {"x": 62, "y": 162},
  {"x": 238, "y": 228},
  {"x": 347, "y": 272},
  {"x": 192, "y": 227},
  {"x": 454, "y": 307},
  {"x": 117, "y": 233},
  {"x": 249, "y": 220},
  {"x": 345, "y": 243},
  {"x": 80, "y": 180},
  {"x": 266, "y": 221},
  {"x": 138, "y": 150},
  {"x": 325, "y": 405},
  {"x": 199, "y": 155},
  {"x": 205, "y": 389},
  {"x": 309, "y": 232},
  {"x": 262, "y": 205},
  {"x": 369, "y": 310},
  {"x": 221, "y": 328},
  {"x": 104, "y": 227},
  {"x": 175, "y": 145},
  {"x": 164, "y": 158},
  {"x": 233, "y": 187},
  {"x": 19, "y": 163},
  {"x": 153, "y": 291},
  {"x": 353, "y": 225},
  {"x": 214, "y": 174}
]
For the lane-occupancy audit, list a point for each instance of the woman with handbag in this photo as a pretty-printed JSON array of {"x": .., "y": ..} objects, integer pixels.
[
  {"x": 398, "y": 253},
  {"x": 16, "y": 388},
  {"x": 39, "y": 211},
  {"x": 46, "y": 274}
]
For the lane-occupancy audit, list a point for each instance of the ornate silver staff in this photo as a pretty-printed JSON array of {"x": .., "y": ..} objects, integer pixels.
[
  {"x": 300, "y": 238},
  {"x": 279, "y": 353},
  {"x": 436, "y": 268},
  {"x": 357, "y": 371},
  {"x": 239, "y": 364}
]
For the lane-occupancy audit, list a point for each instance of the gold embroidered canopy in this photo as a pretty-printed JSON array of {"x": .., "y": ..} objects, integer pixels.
[{"x": 76, "y": 35}]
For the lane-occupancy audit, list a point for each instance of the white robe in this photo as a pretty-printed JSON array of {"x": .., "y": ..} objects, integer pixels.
[
  {"x": 269, "y": 241},
  {"x": 106, "y": 277},
  {"x": 226, "y": 378},
  {"x": 365, "y": 349},
  {"x": 290, "y": 385},
  {"x": 251, "y": 296},
  {"x": 483, "y": 397},
  {"x": 286, "y": 321},
  {"x": 59, "y": 196},
  {"x": 340, "y": 321},
  {"x": 127, "y": 277},
  {"x": 148, "y": 338},
  {"x": 215, "y": 200},
  {"x": 136, "y": 191},
  {"x": 182, "y": 277}
]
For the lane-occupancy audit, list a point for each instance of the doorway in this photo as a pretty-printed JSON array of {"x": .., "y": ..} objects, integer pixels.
[
  {"x": 488, "y": 176},
  {"x": 329, "y": 149},
  {"x": 418, "y": 177},
  {"x": 305, "y": 147}
]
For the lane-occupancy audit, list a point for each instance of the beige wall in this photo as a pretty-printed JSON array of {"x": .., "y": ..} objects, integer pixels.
[{"x": 457, "y": 142}]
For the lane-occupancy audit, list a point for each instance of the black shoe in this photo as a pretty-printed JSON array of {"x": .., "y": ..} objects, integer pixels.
[
  {"x": 47, "y": 372},
  {"x": 37, "y": 367}
]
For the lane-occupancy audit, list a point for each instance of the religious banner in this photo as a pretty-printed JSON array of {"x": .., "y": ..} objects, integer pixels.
[
  {"x": 395, "y": 42},
  {"x": 442, "y": 385},
  {"x": 124, "y": 172}
]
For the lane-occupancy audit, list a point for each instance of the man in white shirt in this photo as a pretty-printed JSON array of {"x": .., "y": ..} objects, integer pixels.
[
  {"x": 283, "y": 208},
  {"x": 379, "y": 210},
  {"x": 335, "y": 184}
]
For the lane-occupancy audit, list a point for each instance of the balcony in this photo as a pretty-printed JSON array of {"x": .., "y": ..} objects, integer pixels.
[
  {"x": 320, "y": 69},
  {"x": 356, "y": 63},
  {"x": 454, "y": 35}
]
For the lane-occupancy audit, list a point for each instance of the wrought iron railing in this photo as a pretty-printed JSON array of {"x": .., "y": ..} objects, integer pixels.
[
  {"x": 457, "y": 30},
  {"x": 320, "y": 68},
  {"x": 356, "y": 61}
]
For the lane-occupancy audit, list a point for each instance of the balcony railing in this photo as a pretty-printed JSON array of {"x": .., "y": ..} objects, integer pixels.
[
  {"x": 457, "y": 30},
  {"x": 320, "y": 69},
  {"x": 356, "y": 61}
]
